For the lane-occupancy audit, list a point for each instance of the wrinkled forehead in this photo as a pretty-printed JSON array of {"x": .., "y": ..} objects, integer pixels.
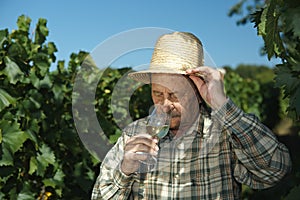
[{"x": 170, "y": 81}]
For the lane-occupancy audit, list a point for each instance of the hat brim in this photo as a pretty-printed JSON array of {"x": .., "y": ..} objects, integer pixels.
[{"x": 145, "y": 75}]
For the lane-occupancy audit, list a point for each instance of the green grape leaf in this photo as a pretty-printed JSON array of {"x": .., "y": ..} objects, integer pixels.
[
  {"x": 33, "y": 129},
  {"x": 51, "y": 49},
  {"x": 12, "y": 71},
  {"x": 5, "y": 99},
  {"x": 41, "y": 62},
  {"x": 61, "y": 66},
  {"x": 295, "y": 101},
  {"x": 32, "y": 165},
  {"x": 284, "y": 77},
  {"x": 7, "y": 158},
  {"x": 24, "y": 23},
  {"x": 46, "y": 82},
  {"x": 44, "y": 158},
  {"x": 40, "y": 83},
  {"x": 268, "y": 29},
  {"x": 288, "y": 80},
  {"x": 41, "y": 31},
  {"x": 17, "y": 50},
  {"x": 57, "y": 182},
  {"x": 291, "y": 18},
  {"x": 26, "y": 193},
  {"x": 12, "y": 136},
  {"x": 12, "y": 140},
  {"x": 26, "y": 196},
  {"x": 3, "y": 37}
]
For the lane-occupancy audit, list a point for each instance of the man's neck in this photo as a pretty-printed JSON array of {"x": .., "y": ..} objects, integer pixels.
[
  {"x": 176, "y": 133},
  {"x": 182, "y": 129}
]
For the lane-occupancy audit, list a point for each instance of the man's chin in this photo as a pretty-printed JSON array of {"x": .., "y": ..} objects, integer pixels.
[{"x": 175, "y": 122}]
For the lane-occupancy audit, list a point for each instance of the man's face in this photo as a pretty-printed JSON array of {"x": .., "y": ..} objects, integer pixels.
[{"x": 178, "y": 96}]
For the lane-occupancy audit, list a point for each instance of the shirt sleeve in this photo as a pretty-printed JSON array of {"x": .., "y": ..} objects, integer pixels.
[
  {"x": 111, "y": 182},
  {"x": 262, "y": 160}
]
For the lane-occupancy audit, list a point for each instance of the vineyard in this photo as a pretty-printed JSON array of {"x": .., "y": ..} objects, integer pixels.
[{"x": 41, "y": 154}]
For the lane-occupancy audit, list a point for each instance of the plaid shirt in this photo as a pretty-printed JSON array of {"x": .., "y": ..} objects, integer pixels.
[{"x": 217, "y": 154}]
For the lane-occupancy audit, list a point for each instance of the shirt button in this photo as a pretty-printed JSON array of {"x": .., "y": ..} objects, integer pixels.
[
  {"x": 176, "y": 176},
  {"x": 180, "y": 146}
]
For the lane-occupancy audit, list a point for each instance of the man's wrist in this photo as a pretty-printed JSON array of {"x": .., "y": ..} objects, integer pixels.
[
  {"x": 121, "y": 179},
  {"x": 126, "y": 170}
]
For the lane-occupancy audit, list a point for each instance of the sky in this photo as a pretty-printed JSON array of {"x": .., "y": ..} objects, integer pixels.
[{"x": 83, "y": 25}]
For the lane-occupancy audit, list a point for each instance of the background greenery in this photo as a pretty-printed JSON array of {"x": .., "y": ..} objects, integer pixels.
[{"x": 41, "y": 155}]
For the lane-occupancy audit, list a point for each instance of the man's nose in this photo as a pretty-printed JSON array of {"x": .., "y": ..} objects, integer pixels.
[{"x": 167, "y": 105}]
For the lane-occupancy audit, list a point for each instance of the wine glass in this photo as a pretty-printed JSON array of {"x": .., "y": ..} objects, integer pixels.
[
  {"x": 157, "y": 126},
  {"x": 158, "y": 123}
]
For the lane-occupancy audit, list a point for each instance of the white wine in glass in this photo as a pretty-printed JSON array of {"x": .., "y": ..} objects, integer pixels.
[
  {"x": 157, "y": 131},
  {"x": 157, "y": 126},
  {"x": 158, "y": 122}
]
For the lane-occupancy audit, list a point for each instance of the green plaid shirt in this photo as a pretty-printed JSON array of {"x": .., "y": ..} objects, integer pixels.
[{"x": 217, "y": 154}]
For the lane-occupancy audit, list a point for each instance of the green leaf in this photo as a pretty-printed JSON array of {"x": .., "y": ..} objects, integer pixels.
[
  {"x": 236, "y": 9},
  {"x": 7, "y": 157},
  {"x": 5, "y": 99},
  {"x": 42, "y": 63},
  {"x": 17, "y": 51},
  {"x": 51, "y": 49},
  {"x": 40, "y": 83},
  {"x": 44, "y": 158},
  {"x": 33, "y": 129},
  {"x": 12, "y": 140},
  {"x": 47, "y": 154},
  {"x": 26, "y": 193},
  {"x": 58, "y": 92},
  {"x": 24, "y": 23},
  {"x": 291, "y": 17},
  {"x": 12, "y": 71},
  {"x": 3, "y": 37},
  {"x": 34, "y": 79},
  {"x": 32, "y": 165},
  {"x": 295, "y": 101},
  {"x": 284, "y": 77},
  {"x": 13, "y": 136},
  {"x": 268, "y": 29},
  {"x": 41, "y": 31},
  {"x": 26, "y": 196},
  {"x": 289, "y": 81},
  {"x": 45, "y": 82},
  {"x": 57, "y": 182},
  {"x": 61, "y": 66}
]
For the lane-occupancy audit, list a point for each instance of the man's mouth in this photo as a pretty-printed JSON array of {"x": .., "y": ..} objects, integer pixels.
[{"x": 173, "y": 115}]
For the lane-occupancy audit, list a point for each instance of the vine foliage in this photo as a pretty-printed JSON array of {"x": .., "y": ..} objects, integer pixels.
[
  {"x": 41, "y": 155},
  {"x": 277, "y": 22}
]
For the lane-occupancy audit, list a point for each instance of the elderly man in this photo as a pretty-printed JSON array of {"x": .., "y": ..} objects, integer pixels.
[{"x": 212, "y": 146}]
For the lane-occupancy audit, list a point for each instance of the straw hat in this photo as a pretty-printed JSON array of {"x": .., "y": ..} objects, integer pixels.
[{"x": 173, "y": 54}]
